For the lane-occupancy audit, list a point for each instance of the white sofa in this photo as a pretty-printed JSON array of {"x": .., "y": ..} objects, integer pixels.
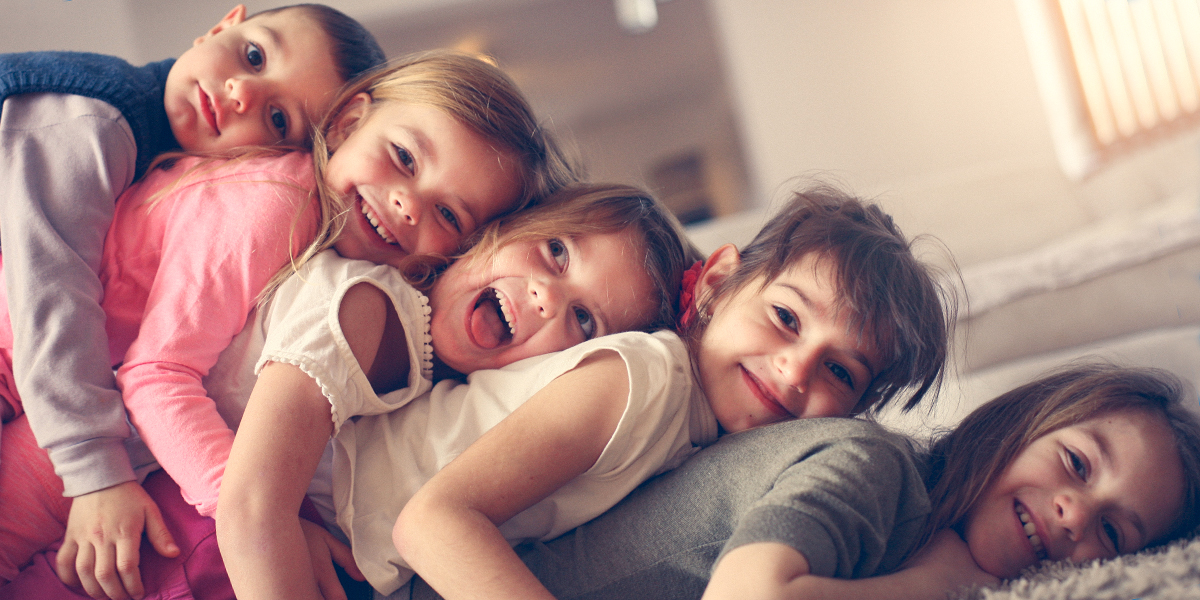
[{"x": 1127, "y": 290}]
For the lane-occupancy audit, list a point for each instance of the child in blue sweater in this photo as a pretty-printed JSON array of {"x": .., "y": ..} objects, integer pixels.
[{"x": 75, "y": 130}]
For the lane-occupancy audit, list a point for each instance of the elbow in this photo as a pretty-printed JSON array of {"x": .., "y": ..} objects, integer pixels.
[
  {"x": 408, "y": 527},
  {"x": 403, "y": 533}
]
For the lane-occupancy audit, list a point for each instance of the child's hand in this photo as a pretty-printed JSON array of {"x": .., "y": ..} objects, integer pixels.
[
  {"x": 104, "y": 533},
  {"x": 948, "y": 559},
  {"x": 325, "y": 550}
]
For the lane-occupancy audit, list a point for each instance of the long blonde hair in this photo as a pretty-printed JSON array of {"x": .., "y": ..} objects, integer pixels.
[{"x": 473, "y": 91}]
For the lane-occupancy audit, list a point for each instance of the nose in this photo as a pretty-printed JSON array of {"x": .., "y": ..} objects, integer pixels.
[
  {"x": 1074, "y": 514},
  {"x": 796, "y": 365},
  {"x": 242, "y": 93},
  {"x": 547, "y": 299},
  {"x": 410, "y": 206}
]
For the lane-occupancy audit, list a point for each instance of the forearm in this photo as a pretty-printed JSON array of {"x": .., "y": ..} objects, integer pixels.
[
  {"x": 63, "y": 167},
  {"x": 181, "y": 426},
  {"x": 773, "y": 571},
  {"x": 265, "y": 553},
  {"x": 448, "y": 532},
  {"x": 279, "y": 444},
  {"x": 461, "y": 554},
  {"x": 902, "y": 585}
]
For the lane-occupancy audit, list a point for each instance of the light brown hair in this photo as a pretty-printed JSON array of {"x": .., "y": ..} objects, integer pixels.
[
  {"x": 966, "y": 461},
  {"x": 584, "y": 209}
]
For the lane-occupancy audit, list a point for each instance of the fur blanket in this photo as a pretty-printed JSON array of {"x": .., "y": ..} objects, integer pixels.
[{"x": 1171, "y": 572}]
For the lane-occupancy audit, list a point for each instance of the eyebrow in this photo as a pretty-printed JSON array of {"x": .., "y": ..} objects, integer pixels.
[
  {"x": 1106, "y": 458},
  {"x": 275, "y": 38},
  {"x": 855, "y": 353}
]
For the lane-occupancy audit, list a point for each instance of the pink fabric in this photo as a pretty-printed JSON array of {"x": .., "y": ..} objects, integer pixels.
[
  {"x": 181, "y": 273},
  {"x": 33, "y": 511},
  {"x": 197, "y": 572},
  {"x": 8, "y": 384}
]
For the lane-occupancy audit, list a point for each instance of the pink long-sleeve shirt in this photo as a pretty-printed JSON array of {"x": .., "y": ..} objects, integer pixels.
[{"x": 182, "y": 272}]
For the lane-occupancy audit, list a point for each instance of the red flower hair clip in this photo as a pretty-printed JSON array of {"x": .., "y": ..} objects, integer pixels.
[{"x": 687, "y": 296}]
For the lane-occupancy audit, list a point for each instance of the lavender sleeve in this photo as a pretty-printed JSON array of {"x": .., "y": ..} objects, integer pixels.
[{"x": 65, "y": 159}]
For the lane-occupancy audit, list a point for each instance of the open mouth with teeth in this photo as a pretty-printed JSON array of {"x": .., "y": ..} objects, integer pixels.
[
  {"x": 491, "y": 321},
  {"x": 1030, "y": 531},
  {"x": 373, "y": 219}
]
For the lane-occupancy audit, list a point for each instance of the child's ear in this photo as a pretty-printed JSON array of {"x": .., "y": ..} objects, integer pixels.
[
  {"x": 235, "y": 16},
  {"x": 347, "y": 120},
  {"x": 720, "y": 264}
]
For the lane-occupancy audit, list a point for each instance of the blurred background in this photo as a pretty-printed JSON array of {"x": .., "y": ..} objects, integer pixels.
[
  {"x": 930, "y": 106},
  {"x": 946, "y": 112}
]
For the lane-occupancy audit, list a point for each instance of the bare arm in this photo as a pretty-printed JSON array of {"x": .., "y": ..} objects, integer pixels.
[
  {"x": 771, "y": 570},
  {"x": 448, "y": 531},
  {"x": 274, "y": 457},
  {"x": 275, "y": 454}
]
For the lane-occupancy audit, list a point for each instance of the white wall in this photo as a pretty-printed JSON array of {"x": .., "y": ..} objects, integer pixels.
[
  {"x": 932, "y": 105},
  {"x": 139, "y": 31},
  {"x": 85, "y": 25}
]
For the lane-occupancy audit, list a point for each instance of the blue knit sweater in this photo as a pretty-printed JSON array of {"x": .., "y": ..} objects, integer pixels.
[{"x": 135, "y": 91}]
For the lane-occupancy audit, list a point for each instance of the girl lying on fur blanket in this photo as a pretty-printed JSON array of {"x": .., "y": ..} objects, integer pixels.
[{"x": 1093, "y": 461}]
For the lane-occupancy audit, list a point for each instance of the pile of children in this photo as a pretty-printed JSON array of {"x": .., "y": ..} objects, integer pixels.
[{"x": 434, "y": 343}]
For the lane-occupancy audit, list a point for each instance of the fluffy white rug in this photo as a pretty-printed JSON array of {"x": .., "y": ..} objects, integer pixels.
[{"x": 1171, "y": 572}]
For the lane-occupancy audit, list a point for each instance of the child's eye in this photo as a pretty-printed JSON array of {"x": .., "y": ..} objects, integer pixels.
[
  {"x": 1077, "y": 464},
  {"x": 279, "y": 121},
  {"x": 254, "y": 56},
  {"x": 559, "y": 252},
  {"x": 405, "y": 157},
  {"x": 1113, "y": 535},
  {"x": 786, "y": 317},
  {"x": 450, "y": 218},
  {"x": 841, "y": 373},
  {"x": 585, "y": 323}
]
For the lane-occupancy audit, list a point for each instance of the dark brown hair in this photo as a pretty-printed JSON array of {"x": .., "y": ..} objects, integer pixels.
[
  {"x": 892, "y": 298},
  {"x": 355, "y": 50}
]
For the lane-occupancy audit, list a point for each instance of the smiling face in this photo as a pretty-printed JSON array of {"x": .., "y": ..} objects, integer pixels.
[
  {"x": 1106, "y": 486},
  {"x": 251, "y": 82},
  {"x": 782, "y": 352},
  {"x": 415, "y": 179},
  {"x": 535, "y": 297}
]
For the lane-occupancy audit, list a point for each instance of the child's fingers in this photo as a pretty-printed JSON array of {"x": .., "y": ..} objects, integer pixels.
[
  {"x": 344, "y": 557},
  {"x": 158, "y": 534},
  {"x": 106, "y": 574},
  {"x": 85, "y": 566},
  {"x": 328, "y": 583},
  {"x": 128, "y": 558},
  {"x": 319, "y": 542},
  {"x": 64, "y": 563}
]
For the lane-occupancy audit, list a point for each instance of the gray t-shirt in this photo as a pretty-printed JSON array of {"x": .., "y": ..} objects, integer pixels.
[{"x": 844, "y": 492}]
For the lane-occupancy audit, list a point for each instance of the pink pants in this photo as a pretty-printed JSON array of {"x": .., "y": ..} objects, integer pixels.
[
  {"x": 33, "y": 511},
  {"x": 197, "y": 573},
  {"x": 10, "y": 401}
]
